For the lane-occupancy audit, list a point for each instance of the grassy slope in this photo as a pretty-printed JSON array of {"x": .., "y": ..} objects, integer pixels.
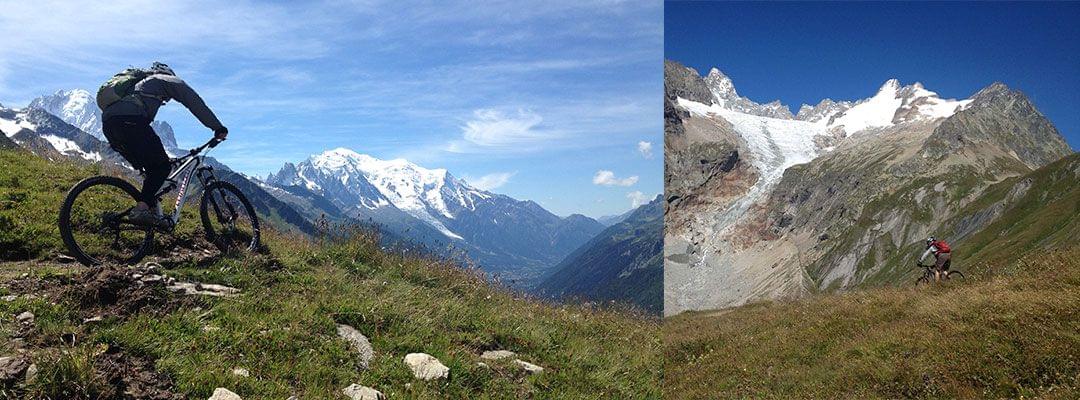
[
  {"x": 282, "y": 327},
  {"x": 1015, "y": 335},
  {"x": 1011, "y": 329}
]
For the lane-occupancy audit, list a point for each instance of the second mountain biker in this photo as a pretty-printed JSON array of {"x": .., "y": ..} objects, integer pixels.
[
  {"x": 942, "y": 256},
  {"x": 129, "y": 103}
]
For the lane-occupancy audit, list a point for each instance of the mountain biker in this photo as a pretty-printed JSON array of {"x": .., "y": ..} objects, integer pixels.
[
  {"x": 126, "y": 124},
  {"x": 942, "y": 257}
]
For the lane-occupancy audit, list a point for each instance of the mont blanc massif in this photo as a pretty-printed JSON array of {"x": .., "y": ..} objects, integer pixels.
[
  {"x": 764, "y": 204},
  {"x": 517, "y": 242}
]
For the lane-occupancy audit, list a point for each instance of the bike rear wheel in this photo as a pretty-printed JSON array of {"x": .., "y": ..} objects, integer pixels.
[
  {"x": 228, "y": 218},
  {"x": 953, "y": 274},
  {"x": 93, "y": 223}
]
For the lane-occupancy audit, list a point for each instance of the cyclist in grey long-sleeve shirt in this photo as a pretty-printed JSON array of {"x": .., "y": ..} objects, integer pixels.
[{"x": 126, "y": 125}]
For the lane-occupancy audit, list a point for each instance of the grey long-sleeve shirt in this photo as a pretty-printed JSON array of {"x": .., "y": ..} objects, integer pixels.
[
  {"x": 158, "y": 88},
  {"x": 932, "y": 250}
]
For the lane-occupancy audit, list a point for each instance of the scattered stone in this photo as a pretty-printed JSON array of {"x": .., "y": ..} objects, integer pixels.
[
  {"x": 13, "y": 368},
  {"x": 65, "y": 259},
  {"x": 152, "y": 278},
  {"x": 224, "y": 394},
  {"x": 241, "y": 372},
  {"x": 210, "y": 328},
  {"x": 205, "y": 289},
  {"x": 26, "y": 317},
  {"x": 358, "y": 342},
  {"x": 10, "y": 297},
  {"x": 426, "y": 367},
  {"x": 358, "y": 392},
  {"x": 96, "y": 318},
  {"x": 529, "y": 367},
  {"x": 152, "y": 267},
  {"x": 497, "y": 354},
  {"x": 31, "y": 373},
  {"x": 482, "y": 365}
]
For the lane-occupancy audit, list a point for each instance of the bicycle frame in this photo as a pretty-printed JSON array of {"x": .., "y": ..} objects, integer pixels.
[{"x": 193, "y": 164}]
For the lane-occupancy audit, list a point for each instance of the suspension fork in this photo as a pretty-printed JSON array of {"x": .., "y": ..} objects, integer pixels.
[{"x": 207, "y": 177}]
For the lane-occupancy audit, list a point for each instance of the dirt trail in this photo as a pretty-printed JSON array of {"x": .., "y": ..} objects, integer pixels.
[{"x": 96, "y": 294}]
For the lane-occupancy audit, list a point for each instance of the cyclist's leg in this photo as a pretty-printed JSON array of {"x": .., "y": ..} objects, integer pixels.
[
  {"x": 116, "y": 131},
  {"x": 145, "y": 145},
  {"x": 941, "y": 266}
]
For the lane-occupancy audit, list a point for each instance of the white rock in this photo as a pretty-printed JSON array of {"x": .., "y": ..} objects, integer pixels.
[
  {"x": 26, "y": 317},
  {"x": 359, "y": 342},
  {"x": 426, "y": 367},
  {"x": 31, "y": 373},
  {"x": 206, "y": 289},
  {"x": 358, "y": 392},
  {"x": 529, "y": 367},
  {"x": 497, "y": 354},
  {"x": 10, "y": 297},
  {"x": 241, "y": 372},
  {"x": 224, "y": 394}
]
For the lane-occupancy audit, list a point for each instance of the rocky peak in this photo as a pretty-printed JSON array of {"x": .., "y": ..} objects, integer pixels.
[
  {"x": 682, "y": 81},
  {"x": 993, "y": 92},
  {"x": 721, "y": 85},
  {"x": 724, "y": 94},
  {"x": 1003, "y": 118},
  {"x": 890, "y": 86},
  {"x": 824, "y": 110},
  {"x": 168, "y": 137},
  {"x": 76, "y": 107}
]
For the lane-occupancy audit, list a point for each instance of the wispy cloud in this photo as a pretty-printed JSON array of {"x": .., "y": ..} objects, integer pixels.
[
  {"x": 637, "y": 199},
  {"x": 645, "y": 148},
  {"x": 607, "y": 178},
  {"x": 505, "y": 85},
  {"x": 490, "y": 181},
  {"x": 494, "y": 130}
]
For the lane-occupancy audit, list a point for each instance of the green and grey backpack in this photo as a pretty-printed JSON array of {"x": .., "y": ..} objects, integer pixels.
[{"x": 121, "y": 87}]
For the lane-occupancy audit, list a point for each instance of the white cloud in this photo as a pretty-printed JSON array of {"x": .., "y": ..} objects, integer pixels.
[
  {"x": 645, "y": 148},
  {"x": 637, "y": 198},
  {"x": 607, "y": 178},
  {"x": 493, "y": 128},
  {"x": 490, "y": 181}
]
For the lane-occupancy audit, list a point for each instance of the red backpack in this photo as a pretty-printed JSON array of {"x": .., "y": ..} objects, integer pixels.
[{"x": 942, "y": 246}]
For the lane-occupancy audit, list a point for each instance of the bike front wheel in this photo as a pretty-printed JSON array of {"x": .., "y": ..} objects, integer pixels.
[
  {"x": 94, "y": 226},
  {"x": 228, "y": 218}
]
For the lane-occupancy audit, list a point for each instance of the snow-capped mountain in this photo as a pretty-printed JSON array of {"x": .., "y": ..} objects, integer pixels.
[
  {"x": 777, "y": 140},
  {"x": 78, "y": 108},
  {"x": 516, "y": 239},
  {"x": 354, "y": 180},
  {"x": 760, "y": 205},
  {"x": 36, "y": 129},
  {"x": 725, "y": 95}
]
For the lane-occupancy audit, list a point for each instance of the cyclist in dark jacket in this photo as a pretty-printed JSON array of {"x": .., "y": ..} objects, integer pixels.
[{"x": 126, "y": 125}]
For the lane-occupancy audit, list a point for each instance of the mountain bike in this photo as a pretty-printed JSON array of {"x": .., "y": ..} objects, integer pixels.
[
  {"x": 95, "y": 228},
  {"x": 928, "y": 274}
]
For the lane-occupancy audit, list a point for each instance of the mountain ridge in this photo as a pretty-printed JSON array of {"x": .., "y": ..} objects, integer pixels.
[{"x": 857, "y": 185}]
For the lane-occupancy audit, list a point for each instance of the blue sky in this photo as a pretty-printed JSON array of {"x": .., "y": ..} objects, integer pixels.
[
  {"x": 549, "y": 101},
  {"x": 801, "y": 53}
]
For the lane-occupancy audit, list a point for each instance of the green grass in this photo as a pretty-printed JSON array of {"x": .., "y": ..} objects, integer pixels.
[
  {"x": 282, "y": 327},
  {"x": 32, "y": 189},
  {"x": 1015, "y": 335}
]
